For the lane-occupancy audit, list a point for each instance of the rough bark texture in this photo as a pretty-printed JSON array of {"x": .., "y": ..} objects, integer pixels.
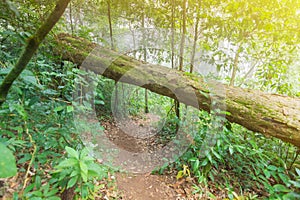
[{"x": 270, "y": 114}]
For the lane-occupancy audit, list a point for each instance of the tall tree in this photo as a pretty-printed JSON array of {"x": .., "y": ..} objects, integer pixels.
[
  {"x": 172, "y": 33},
  {"x": 71, "y": 18},
  {"x": 110, "y": 24},
  {"x": 235, "y": 65},
  {"x": 182, "y": 42},
  {"x": 145, "y": 58},
  {"x": 196, "y": 34},
  {"x": 181, "y": 54}
]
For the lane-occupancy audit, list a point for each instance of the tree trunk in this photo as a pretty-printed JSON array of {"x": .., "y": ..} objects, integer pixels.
[
  {"x": 145, "y": 60},
  {"x": 176, "y": 103},
  {"x": 235, "y": 66},
  {"x": 182, "y": 42},
  {"x": 32, "y": 45},
  {"x": 269, "y": 114},
  {"x": 71, "y": 18},
  {"x": 194, "y": 44},
  {"x": 172, "y": 34},
  {"x": 110, "y": 25}
]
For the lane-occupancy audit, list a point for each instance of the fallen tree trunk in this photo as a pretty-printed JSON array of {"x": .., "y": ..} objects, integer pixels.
[{"x": 270, "y": 114}]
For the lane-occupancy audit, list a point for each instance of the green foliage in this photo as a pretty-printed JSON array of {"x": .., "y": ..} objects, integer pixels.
[
  {"x": 42, "y": 192},
  {"x": 77, "y": 170},
  {"x": 40, "y": 103},
  {"x": 36, "y": 120},
  {"x": 240, "y": 159},
  {"x": 7, "y": 162}
]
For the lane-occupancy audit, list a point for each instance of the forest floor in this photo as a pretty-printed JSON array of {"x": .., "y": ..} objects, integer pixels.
[
  {"x": 128, "y": 185},
  {"x": 144, "y": 186},
  {"x": 147, "y": 186}
]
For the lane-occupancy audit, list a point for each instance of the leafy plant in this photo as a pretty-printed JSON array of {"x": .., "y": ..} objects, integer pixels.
[
  {"x": 44, "y": 192},
  {"x": 77, "y": 170},
  {"x": 185, "y": 172}
]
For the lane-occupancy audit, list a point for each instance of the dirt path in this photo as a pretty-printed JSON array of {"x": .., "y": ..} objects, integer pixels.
[{"x": 144, "y": 186}]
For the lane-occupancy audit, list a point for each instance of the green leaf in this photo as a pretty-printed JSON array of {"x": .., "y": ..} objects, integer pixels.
[
  {"x": 72, "y": 182},
  {"x": 84, "y": 191},
  {"x": 5, "y": 71},
  {"x": 298, "y": 171},
  {"x": 54, "y": 198},
  {"x": 231, "y": 151},
  {"x": 74, "y": 173},
  {"x": 96, "y": 170},
  {"x": 83, "y": 171},
  {"x": 37, "y": 193},
  {"x": 209, "y": 158},
  {"x": 38, "y": 182},
  {"x": 8, "y": 166},
  {"x": 196, "y": 165},
  {"x": 272, "y": 167},
  {"x": 59, "y": 108},
  {"x": 206, "y": 95},
  {"x": 179, "y": 174},
  {"x": 295, "y": 183},
  {"x": 291, "y": 195},
  {"x": 285, "y": 179},
  {"x": 267, "y": 173},
  {"x": 36, "y": 198},
  {"x": 99, "y": 102},
  {"x": 204, "y": 163},
  {"x": 216, "y": 154},
  {"x": 70, "y": 109},
  {"x": 29, "y": 188},
  {"x": 87, "y": 159},
  {"x": 72, "y": 152},
  {"x": 281, "y": 188},
  {"x": 51, "y": 193},
  {"x": 46, "y": 188},
  {"x": 50, "y": 92},
  {"x": 62, "y": 174},
  {"x": 30, "y": 80},
  {"x": 71, "y": 162}
]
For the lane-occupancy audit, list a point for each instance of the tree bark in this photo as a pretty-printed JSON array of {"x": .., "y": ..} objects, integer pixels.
[
  {"x": 194, "y": 44},
  {"x": 270, "y": 114},
  {"x": 235, "y": 66},
  {"x": 110, "y": 25},
  {"x": 145, "y": 59},
  {"x": 32, "y": 45},
  {"x": 71, "y": 18},
  {"x": 182, "y": 42},
  {"x": 172, "y": 33}
]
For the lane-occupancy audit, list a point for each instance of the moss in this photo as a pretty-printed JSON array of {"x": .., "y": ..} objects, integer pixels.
[
  {"x": 256, "y": 111},
  {"x": 191, "y": 76}
]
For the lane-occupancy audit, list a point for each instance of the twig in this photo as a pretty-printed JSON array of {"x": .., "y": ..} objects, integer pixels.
[
  {"x": 295, "y": 158},
  {"x": 32, "y": 158}
]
